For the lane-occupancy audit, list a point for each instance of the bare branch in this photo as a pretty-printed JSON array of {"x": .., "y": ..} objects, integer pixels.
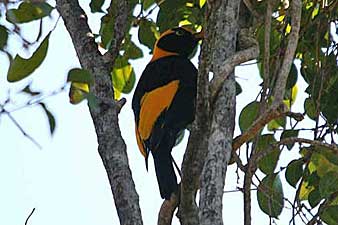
[
  {"x": 229, "y": 66},
  {"x": 197, "y": 146},
  {"x": 237, "y": 58},
  {"x": 119, "y": 11},
  {"x": 266, "y": 60},
  {"x": 271, "y": 114},
  {"x": 250, "y": 6},
  {"x": 167, "y": 210},
  {"x": 29, "y": 216},
  {"x": 332, "y": 147},
  {"x": 296, "y": 12},
  {"x": 16, "y": 123}
]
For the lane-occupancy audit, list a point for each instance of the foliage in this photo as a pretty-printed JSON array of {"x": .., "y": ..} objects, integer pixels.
[{"x": 313, "y": 174}]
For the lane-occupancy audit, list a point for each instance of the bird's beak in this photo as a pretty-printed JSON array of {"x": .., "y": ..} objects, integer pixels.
[{"x": 199, "y": 35}]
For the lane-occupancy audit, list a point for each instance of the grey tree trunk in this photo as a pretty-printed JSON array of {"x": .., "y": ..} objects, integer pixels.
[
  {"x": 111, "y": 147},
  {"x": 222, "y": 29}
]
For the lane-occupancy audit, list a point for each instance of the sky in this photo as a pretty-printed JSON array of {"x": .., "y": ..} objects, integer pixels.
[{"x": 65, "y": 180}]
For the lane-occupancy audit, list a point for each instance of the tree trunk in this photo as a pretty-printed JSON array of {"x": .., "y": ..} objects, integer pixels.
[
  {"x": 222, "y": 29},
  {"x": 111, "y": 147}
]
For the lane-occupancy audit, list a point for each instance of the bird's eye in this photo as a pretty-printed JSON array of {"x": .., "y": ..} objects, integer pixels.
[{"x": 179, "y": 32}]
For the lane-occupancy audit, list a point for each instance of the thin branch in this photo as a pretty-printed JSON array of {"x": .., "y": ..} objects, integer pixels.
[
  {"x": 237, "y": 159},
  {"x": 266, "y": 60},
  {"x": 16, "y": 123},
  {"x": 29, "y": 216},
  {"x": 333, "y": 148},
  {"x": 229, "y": 66},
  {"x": 239, "y": 190},
  {"x": 295, "y": 13},
  {"x": 167, "y": 209},
  {"x": 38, "y": 99},
  {"x": 250, "y": 6},
  {"x": 258, "y": 124},
  {"x": 272, "y": 113},
  {"x": 119, "y": 11}
]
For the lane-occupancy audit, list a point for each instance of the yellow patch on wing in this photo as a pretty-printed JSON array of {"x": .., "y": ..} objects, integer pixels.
[
  {"x": 153, "y": 103},
  {"x": 140, "y": 143}
]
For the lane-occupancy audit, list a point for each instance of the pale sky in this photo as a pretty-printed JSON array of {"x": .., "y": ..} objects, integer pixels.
[{"x": 65, "y": 180}]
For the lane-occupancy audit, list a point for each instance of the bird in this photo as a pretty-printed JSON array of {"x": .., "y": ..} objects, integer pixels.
[{"x": 164, "y": 102}]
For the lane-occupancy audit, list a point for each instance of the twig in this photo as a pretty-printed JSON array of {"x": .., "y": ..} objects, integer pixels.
[
  {"x": 239, "y": 190},
  {"x": 333, "y": 148},
  {"x": 29, "y": 216},
  {"x": 266, "y": 59},
  {"x": 22, "y": 130},
  {"x": 295, "y": 13},
  {"x": 37, "y": 100},
  {"x": 168, "y": 208},
  {"x": 229, "y": 65},
  {"x": 250, "y": 6},
  {"x": 120, "y": 16},
  {"x": 270, "y": 114}
]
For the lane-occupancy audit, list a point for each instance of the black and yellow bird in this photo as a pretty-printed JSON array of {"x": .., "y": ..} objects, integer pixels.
[{"x": 164, "y": 102}]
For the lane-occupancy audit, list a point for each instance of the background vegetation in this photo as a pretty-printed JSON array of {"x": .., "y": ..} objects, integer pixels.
[{"x": 275, "y": 34}]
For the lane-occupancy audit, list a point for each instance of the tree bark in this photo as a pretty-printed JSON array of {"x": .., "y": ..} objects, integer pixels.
[
  {"x": 222, "y": 26},
  {"x": 111, "y": 146}
]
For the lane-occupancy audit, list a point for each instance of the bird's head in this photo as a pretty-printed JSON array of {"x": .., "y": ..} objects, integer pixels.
[{"x": 176, "y": 41}]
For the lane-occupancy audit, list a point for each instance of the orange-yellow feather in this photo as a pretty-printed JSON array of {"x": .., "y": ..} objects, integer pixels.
[{"x": 153, "y": 103}]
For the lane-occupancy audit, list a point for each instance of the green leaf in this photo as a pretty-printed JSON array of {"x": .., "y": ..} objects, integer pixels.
[
  {"x": 310, "y": 108},
  {"x": 123, "y": 78},
  {"x": 330, "y": 215},
  {"x": 268, "y": 163},
  {"x": 275, "y": 124},
  {"x": 106, "y": 31},
  {"x": 275, "y": 42},
  {"x": 20, "y": 68},
  {"x": 77, "y": 92},
  {"x": 80, "y": 76},
  {"x": 147, "y": 3},
  {"x": 50, "y": 117},
  {"x": 3, "y": 36},
  {"x": 29, "y": 11},
  {"x": 288, "y": 134},
  {"x": 290, "y": 96},
  {"x": 248, "y": 115},
  {"x": 238, "y": 88},
  {"x": 131, "y": 51},
  {"x": 92, "y": 100},
  {"x": 96, "y": 5},
  {"x": 147, "y": 33},
  {"x": 328, "y": 184},
  {"x": 314, "y": 198},
  {"x": 202, "y": 2},
  {"x": 328, "y": 154},
  {"x": 321, "y": 164},
  {"x": 315, "y": 11},
  {"x": 270, "y": 195},
  {"x": 329, "y": 100},
  {"x": 292, "y": 78},
  {"x": 294, "y": 172},
  {"x": 170, "y": 14}
]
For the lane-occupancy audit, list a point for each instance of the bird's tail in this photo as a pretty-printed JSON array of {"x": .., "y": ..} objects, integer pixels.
[{"x": 164, "y": 169}]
